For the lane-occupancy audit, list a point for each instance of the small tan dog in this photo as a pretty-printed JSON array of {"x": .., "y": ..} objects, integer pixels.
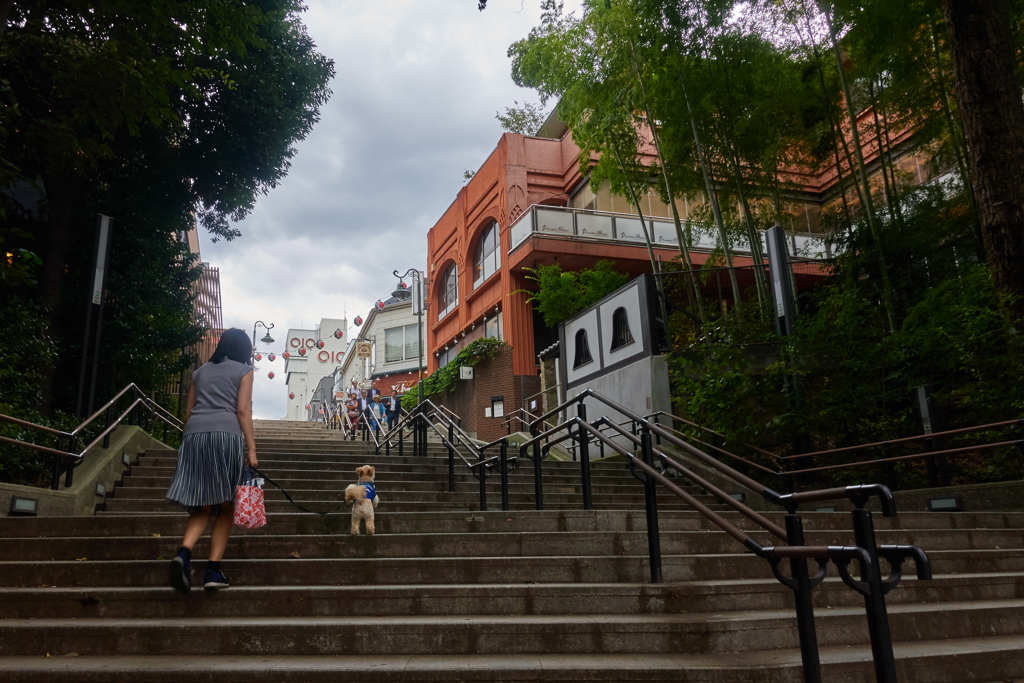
[{"x": 364, "y": 498}]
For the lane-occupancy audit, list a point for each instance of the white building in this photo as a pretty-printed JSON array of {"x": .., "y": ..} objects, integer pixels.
[
  {"x": 311, "y": 356},
  {"x": 390, "y": 329}
]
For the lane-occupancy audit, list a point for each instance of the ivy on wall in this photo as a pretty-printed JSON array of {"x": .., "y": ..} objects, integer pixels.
[{"x": 445, "y": 379}]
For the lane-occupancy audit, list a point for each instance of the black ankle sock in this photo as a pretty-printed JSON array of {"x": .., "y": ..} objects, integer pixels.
[
  {"x": 185, "y": 553},
  {"x": 215, "y": 566}
]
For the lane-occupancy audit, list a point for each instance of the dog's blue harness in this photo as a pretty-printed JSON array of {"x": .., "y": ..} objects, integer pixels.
[{"x": 371, "y": 492}]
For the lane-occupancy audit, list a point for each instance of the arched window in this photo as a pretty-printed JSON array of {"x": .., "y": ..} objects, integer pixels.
[
  {"x": 487, "y": 256},
  {"x": 448, "y": 298},
  {"x": 582, "y": 356},
  {"x": 621, "y": 336}
]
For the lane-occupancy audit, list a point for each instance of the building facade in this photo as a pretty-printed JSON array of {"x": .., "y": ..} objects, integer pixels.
[
  {"x": 529, "y": 204},
  {"x": 396, "y": 342},
  {"x": 312, "y": 354}
]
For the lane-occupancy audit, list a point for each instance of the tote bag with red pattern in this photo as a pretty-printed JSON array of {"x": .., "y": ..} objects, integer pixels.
[{"x": 250, "y": 512}]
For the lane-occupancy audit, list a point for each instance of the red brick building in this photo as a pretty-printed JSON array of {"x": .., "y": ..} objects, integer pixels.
[{"x": 529, "y": 204}]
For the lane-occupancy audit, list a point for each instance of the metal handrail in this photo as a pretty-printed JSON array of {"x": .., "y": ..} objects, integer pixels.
[
  {"x": 871, "y": 585},
  {"x": 708, "y": 430},
  {"x": 779, "y": 460},
  {"x": 72, "y": 458},
  {"x": 905, "y": 439}
]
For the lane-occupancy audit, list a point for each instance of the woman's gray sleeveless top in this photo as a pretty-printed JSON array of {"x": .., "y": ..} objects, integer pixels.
[{"x": 216, "y": 389}]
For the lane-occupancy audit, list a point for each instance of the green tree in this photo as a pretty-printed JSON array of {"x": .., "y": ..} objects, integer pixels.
[
  {"x": 524, "y": 119},
  {"x": 160, "y": 114},
  {"x": 561, "y": 293}
]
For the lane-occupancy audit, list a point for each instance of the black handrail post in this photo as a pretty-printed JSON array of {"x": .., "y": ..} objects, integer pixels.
[
  {"x": 584, "y": 450},
  {"x": 483, "y": 483},
  {"x": 538, "y": 482},
  {"x": 55, "y": 474},
  {"x": 503, "y": 471},
  {"x": 451, "y": 458},
  {"x": 874, "y": 597},
  {"x": 106, "y": 426},
  {"x": 804, "y": 604},
  {"x": 66, "y": 444},
  {"x": 401, "y": 437},
  {"x": 387, "y": 445},
  {"x": 416, "y": 435},
  {"x": 423, "y": 437},
  {"x": 651, "y": 505}
]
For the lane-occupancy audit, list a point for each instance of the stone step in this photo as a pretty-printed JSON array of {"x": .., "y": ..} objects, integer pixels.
[
  {"x": 517, "y": 482},
  {"x": 515, "y": 520},
  {"x": 511, "y": 543},
  {"x": 462, "y": 502},
  {"x": 715, "y": 632},
  {"x": 547, "y": 568},
  {"x": 467, "y": 599},
  {"x": 978, "y": 659}
]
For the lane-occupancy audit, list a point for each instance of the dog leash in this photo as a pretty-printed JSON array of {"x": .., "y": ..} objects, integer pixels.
[{"x": 291, "y": 500}]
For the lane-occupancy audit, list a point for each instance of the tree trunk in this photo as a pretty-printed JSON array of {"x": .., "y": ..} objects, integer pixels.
[
  {"x": 990, "y": 106},
  {"x": 713, "y": 198}
]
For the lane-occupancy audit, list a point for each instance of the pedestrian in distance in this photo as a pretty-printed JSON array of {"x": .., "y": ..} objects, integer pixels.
[
  {"x": 379, "y": 413},
  {"x": 216, "y": 445}
]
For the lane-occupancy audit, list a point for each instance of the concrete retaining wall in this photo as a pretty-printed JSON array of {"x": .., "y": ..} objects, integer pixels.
[{"x": 100, "y": 465}]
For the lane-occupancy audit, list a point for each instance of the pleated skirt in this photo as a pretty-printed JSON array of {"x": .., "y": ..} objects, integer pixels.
[{"x": 210, "y": 466}]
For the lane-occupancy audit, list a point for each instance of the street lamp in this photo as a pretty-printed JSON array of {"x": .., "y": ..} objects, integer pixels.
[
  {"x": 267, "y": 339},
  {"x": 402, "y": 293}
]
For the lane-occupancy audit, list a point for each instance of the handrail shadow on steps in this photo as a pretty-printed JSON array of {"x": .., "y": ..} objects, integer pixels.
[
  {"x": 870, "y": 585},
  {"x": 65, "y": 458}
]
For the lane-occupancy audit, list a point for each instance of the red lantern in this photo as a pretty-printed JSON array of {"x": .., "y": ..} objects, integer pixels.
[
  {"x": 307, "y": 406},
  {"x": 270, "y": 374},
  {"x": 338, "y": 334},
  {"x": 302, "y": 352},
  {"x": 358, "y": 321},
  {"x": 291, "y": 395},
  {"x": 380, "y": 305},
  {"x": 272, "y": 358},
  {"x": 259, "y": 356},
  {"x": 286, "y": 355},
  {"x": 320, "y": 345}
]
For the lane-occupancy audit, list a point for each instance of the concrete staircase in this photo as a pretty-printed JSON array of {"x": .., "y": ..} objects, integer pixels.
[{"x": 446, "y": 592}]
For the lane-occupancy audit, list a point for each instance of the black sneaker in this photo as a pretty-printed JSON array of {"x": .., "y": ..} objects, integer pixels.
[
  {"x": 181, "y": 574},
  {"x": 214, "y": 580}
]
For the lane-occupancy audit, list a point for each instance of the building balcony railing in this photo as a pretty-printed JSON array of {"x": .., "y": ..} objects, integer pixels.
[{"x": 605, "y": 226}]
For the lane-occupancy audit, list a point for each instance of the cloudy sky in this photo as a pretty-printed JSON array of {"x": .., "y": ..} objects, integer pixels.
[{"x": 416, "y": 88}]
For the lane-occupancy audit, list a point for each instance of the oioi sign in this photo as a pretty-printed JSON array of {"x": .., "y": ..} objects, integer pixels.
[{"x": 323, "y": 355}]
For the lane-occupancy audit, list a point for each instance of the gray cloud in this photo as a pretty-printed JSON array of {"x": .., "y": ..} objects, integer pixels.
[{"x": 414, "y": 99}]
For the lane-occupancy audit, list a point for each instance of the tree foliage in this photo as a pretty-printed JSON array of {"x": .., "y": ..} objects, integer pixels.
[
  {"x": 163, "y": 115},
  {"x": 445, "y": 379},
  {"x": 560, "y": 294},
  {"x": 524, "y": 119}
]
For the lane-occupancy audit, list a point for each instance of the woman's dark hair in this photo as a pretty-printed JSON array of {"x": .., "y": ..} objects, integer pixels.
[{"x": 233, "y": 344}]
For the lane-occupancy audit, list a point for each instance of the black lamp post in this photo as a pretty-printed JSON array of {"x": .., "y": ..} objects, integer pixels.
[
  {"x": 267, "y": 339},
  {"x": 402, "y": 293}
]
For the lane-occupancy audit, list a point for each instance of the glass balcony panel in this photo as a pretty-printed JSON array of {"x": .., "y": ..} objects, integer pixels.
[
  {"x": 594, "y": 225},
  {"x": 521, "y": 229},
  {"x": 554, "y": 221},
  {"x": 665, "y": 232},
  {"x": 809, "y": 246},
  {"x": 629, "y": 229}
]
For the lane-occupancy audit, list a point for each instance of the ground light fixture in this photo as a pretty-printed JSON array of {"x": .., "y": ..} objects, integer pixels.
[
  {"x": 945, "y": 504},
  {"x": 24, "y": 507}
]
